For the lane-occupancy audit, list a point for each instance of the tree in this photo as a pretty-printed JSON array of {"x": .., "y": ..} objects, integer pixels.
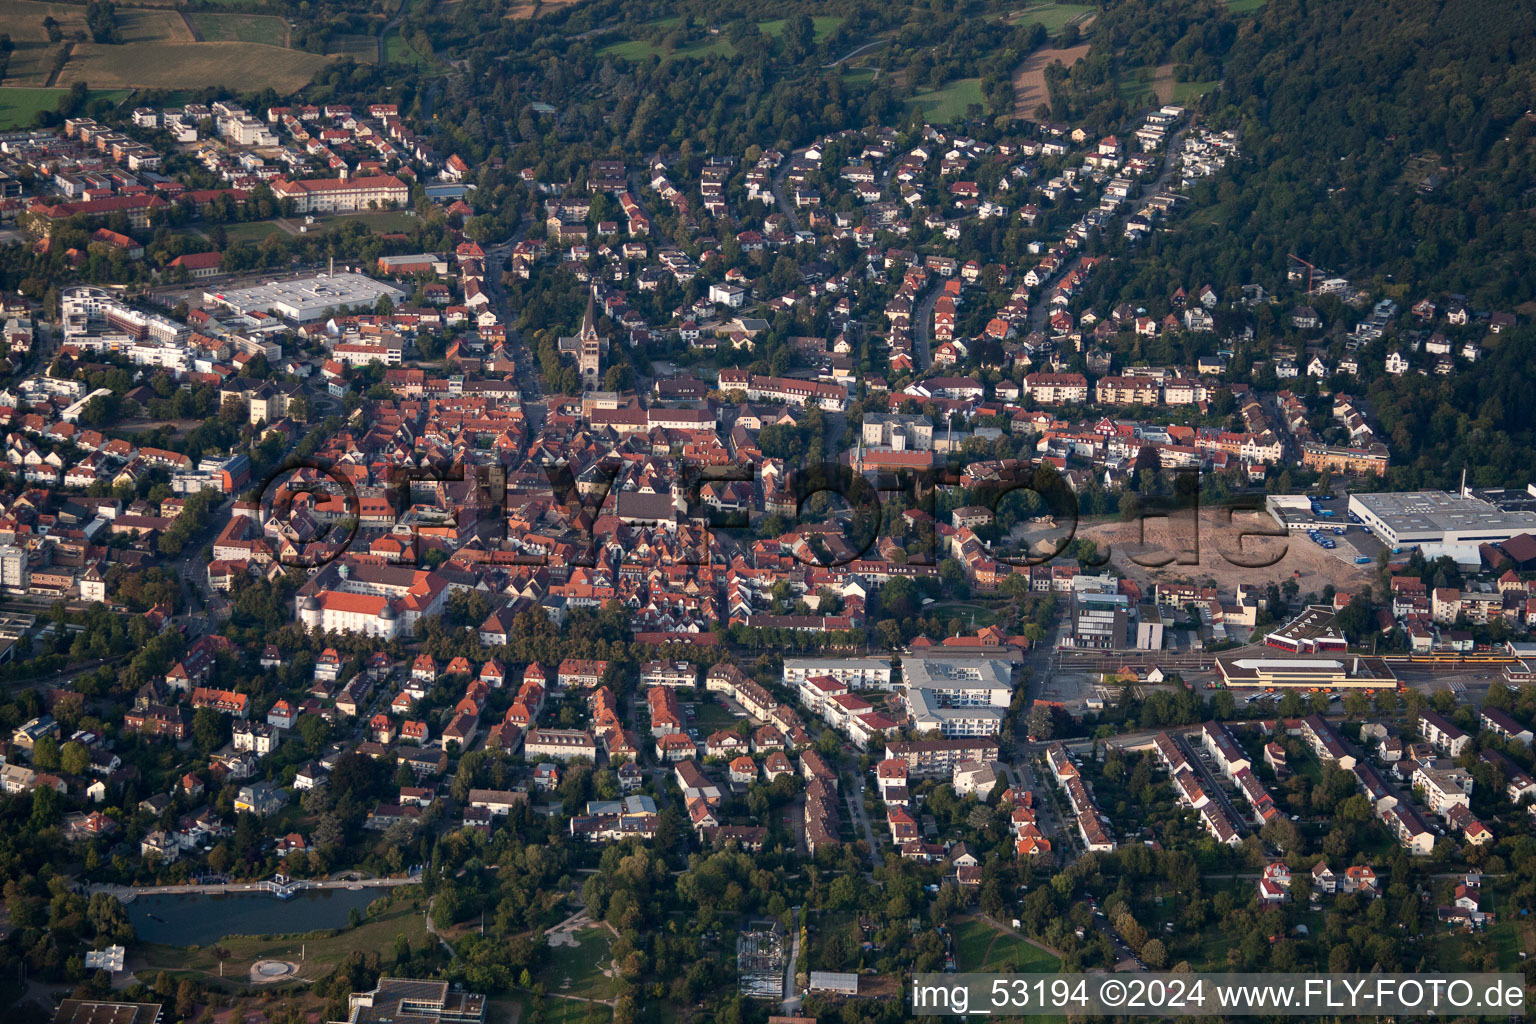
[
  {"x": 74, "y": 758},
  {"x": 45, "y": 753},
  {"x": 207, "y": 729}
]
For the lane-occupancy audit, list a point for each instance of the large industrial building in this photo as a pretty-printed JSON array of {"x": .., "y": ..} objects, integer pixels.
[
  {"x": 1443, "y": 523},
  {"x": 308, "y": 299}
]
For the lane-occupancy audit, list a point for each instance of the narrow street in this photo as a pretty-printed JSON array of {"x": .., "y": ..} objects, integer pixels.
[
  {"x": 790, "y": 1007},
  {"x": 922, "y": 325},
  {"x": 785, "y": 207}
]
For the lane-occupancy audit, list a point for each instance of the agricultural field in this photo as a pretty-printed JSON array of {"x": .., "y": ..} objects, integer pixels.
[
  {"x": 362, "y": 48},
  {"x": 1029, "y": 88},
  {"x": 159, "y": 50},
  {"x": 191, "y": 65},
  {"x": 32, "y": 58},
  {"x": 949, "y": 103},
  {"x": 240, "y": 28}
]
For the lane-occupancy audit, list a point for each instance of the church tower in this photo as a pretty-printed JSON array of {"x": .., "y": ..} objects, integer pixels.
[{"x": 590, "y": 361}]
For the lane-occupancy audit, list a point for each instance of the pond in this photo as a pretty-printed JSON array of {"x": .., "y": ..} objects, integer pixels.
[{"x": 198, "y": 919}]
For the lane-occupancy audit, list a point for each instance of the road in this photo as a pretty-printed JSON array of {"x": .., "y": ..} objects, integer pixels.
[
  {"x": 922, "y": 321},
  {"x": 192, "y": 570},
  {"x": 785, "y": 207},
  {"x": 532, "y": 389},
  {"x": 854, "y": 796},
  {"x": 857, "y": 51},
  {"x": 790, "y": 1007}
]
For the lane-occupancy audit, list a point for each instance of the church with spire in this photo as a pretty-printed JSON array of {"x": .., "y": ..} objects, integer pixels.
[{"x": 587, "y": 347}]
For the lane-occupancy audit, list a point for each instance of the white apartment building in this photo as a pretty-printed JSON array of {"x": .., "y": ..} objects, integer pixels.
[{"x": 856, "y": 673}]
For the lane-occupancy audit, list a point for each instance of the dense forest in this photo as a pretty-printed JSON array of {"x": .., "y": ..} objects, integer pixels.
[{"x": 1390, "y": 143}]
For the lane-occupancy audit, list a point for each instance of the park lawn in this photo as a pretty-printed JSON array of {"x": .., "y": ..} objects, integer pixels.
[
  {"x": 579, "y": 971},
  {"x": 19, "y": 106},
  {"x": 401, "y": 916},
  {"x": 252, "y": 231},
  {"x": 981, "y": 947},
  {"x": 503, "y": 1009},
  {"x": 241, "y": 28},
  {"x": 823, "y": 25},
  {"x": 191, "y": 65},
  {"x": 381, "y": 222},
  {"x": 713, "y": 717},
  {"x": 1054, "y": 17},
  {"x": 968, "y": 612},
  {"x": 948, "y": 104}
]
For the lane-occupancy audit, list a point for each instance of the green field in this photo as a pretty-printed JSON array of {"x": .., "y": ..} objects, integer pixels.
[
  {"x": 641, "y": 49},
  {"x": 1053, "y": 16},
  {"x": 981, "y": 947},
  {"x": 241, "y": 28},
  {"x": 1188, "y": 92},
  {"x": 949, "y": 103},
  {"x": 578, "y": 970},
  {"x": 858, "y": 76},
  {"x": 712, "y": 46},
  {"x": 398, "y": 51},
  {"x": 519, "y": 1006},
  {"x": 19, "y": 106},
  {"x": 252, "y": 231},
  {"x": 401, "y": 916},
  {"x": 1244, "y": 6},
  {"x": 825, "y": 25},
  {"x": 383, "y": 222}
]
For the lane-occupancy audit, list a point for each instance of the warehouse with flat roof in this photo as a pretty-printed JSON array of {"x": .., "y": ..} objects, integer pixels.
[
  {"x": 1439, "y": 522},
  {"x": 307, "y": 299}
]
